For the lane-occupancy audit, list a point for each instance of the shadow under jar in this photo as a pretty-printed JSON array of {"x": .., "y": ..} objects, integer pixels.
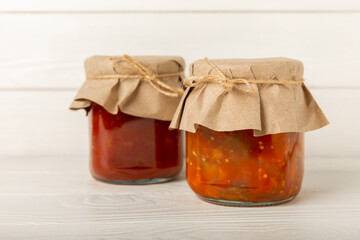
[
  {"x": 131, "y": 150},
  {"x": 236, "y": 168}
]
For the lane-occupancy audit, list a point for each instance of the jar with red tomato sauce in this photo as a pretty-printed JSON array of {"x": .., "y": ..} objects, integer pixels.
[
  {"x": 245, "y": 121},
  {"x": 130, "y": 102}
]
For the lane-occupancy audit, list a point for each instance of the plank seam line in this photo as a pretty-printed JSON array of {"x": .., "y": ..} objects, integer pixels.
[{"x": 344, "y": 11}]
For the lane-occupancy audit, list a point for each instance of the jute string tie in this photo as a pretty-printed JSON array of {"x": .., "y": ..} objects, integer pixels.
[
  {"x": 143, "y": 73},
  {"x": 229, "y": 84}
]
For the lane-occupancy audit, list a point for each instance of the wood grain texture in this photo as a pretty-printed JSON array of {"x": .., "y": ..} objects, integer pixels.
[
  {"x": 55, "y": 198},
  {"x": 185, "y": 5},
  {"x": 48, "y": 51},
  {"x": 39, "y": 123}
]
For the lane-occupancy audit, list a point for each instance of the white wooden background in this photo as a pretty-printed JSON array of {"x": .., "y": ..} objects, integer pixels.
[
  {"x": 42, "y": 47},
  {"x": 43, "y": 44}
]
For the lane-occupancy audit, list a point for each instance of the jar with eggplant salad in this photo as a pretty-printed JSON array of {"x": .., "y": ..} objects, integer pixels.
[{"x": 245, "y": 121}]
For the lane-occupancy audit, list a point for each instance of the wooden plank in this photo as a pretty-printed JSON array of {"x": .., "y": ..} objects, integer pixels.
[
  {"x": 186, "y": 5},
  {"x": 338, "y": 138},
  {"x": 41, "y": 172},
  {"x": 78, "y": 165},
  {"x": 39, "y": 123},
  {"x": 50, "y": 48},
  {"x": 54, "y": 204}
]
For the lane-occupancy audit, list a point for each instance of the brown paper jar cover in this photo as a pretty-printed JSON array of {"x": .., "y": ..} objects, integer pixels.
[
  {"x": 275, "y": 108},
  {"x": 132, "y": 96}
]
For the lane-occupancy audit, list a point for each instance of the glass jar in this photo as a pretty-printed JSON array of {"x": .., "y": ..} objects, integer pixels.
[
  {"x": 245, "y": 121},
  {"x": 235, "y": 168},
  {"x": 131, "y": 150},
  {"x": 131, "y": 101}
]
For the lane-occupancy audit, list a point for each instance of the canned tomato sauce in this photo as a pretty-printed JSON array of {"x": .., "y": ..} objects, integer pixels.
[
  {"x": 129, "y": 149},
  {"x": 130, "y": 102}
]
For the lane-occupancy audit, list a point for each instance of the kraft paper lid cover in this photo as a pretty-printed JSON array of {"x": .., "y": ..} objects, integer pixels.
[
  {"x": 132, "y": 95},
  {"x": 274, "y": 107}
]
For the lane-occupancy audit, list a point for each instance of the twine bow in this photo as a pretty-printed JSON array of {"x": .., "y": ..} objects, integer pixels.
[
  {"x": 143, "y": 73},
  {"x": 229, "y": 84}
]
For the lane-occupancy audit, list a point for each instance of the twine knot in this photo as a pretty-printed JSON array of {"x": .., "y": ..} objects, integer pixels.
[
  {"x": 229, "y": 84},
  {"x": 143, "y": 73}
]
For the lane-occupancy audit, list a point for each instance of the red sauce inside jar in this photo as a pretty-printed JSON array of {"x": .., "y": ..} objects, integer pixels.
[
  {"x": 236, "y": 166},
  {"x": 129, "y": 148}
]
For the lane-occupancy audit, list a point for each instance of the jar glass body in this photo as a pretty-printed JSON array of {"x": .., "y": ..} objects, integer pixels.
[
  {"x": 131, "y": 150},
  {"x": 238, "y": 169}
]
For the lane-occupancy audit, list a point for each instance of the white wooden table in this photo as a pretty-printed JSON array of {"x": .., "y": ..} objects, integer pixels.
[{"x": 56, "y": 198}]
